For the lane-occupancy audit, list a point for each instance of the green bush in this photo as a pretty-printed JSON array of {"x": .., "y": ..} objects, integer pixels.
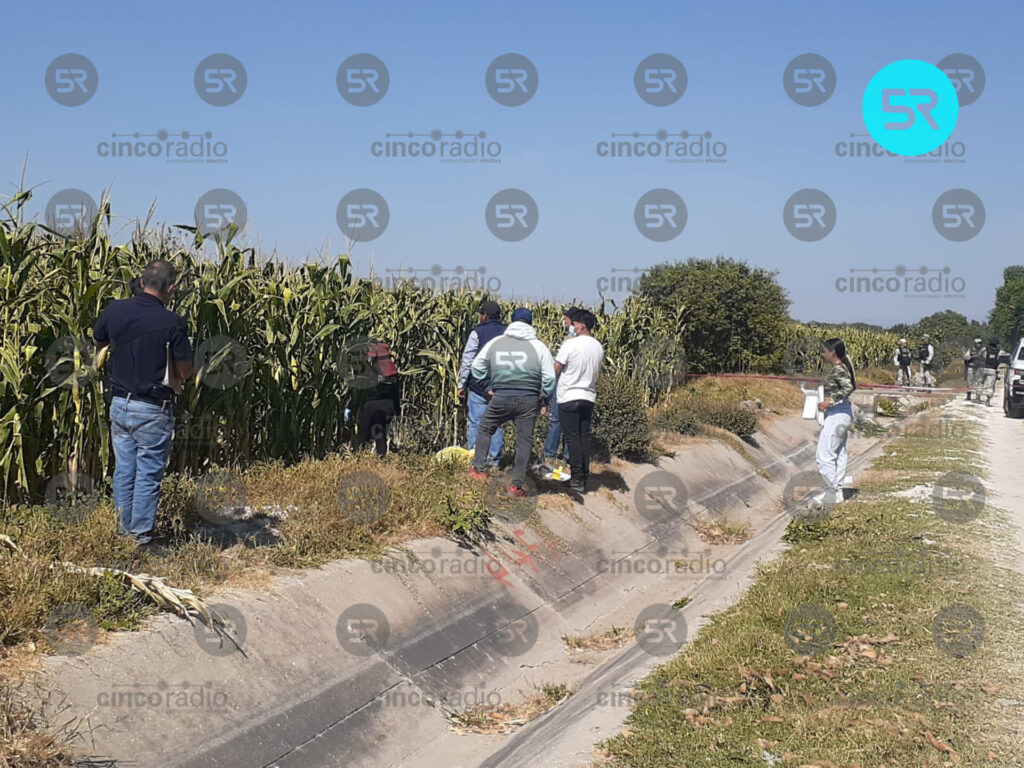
[
  {"x": 688, "y": 415},
  {"x": 620, "y": 425}
]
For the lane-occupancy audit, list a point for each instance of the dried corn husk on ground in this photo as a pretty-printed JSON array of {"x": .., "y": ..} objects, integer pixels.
[{"x": 183, "y": 602}]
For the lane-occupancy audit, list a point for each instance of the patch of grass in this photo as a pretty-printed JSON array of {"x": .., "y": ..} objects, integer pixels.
[
  {"x": 507, "y": 717},
  {"x": 26, "y": 741},
  {"x": 722, "y": 531},
  {"x": 682, "y": 602},
  {"x": 900, "y": 680},
  {"x": 616, "y": 637}
]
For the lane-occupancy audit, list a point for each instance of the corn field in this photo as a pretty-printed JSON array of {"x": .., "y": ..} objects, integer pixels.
[
  {"x": 269, "y": 340},
  {"x": 865, "y": 348}
]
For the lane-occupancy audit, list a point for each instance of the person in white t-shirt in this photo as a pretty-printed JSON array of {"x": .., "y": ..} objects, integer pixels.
[{"x": 577, "y": 365}]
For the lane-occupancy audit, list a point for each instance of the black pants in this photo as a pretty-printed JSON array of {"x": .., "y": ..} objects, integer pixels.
[
  {"x": 502, "y": 408},
  {"x": 374, "y": 419},
  {"x": 575, "y": 417}
]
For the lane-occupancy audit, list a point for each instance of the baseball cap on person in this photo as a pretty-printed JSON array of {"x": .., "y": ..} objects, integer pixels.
[
  {"x": 522, "y": 315},
  {"x": 490, "y": 308}
]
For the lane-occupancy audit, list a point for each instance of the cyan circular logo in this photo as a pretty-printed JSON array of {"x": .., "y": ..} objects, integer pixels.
[{"x": 910, "y": 107}]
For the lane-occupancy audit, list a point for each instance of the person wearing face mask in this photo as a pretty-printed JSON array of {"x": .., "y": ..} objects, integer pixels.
[
  {"x": 577, "y": 366},
  {"x": 552, "y": 460}
]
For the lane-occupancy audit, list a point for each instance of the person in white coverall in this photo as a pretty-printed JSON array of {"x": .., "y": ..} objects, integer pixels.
[{"x": 839, "y": 383}]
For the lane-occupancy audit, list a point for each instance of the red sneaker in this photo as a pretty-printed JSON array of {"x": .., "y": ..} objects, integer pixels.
[
  {"x": 515, "y": 492},
  {"x": 477, "y": 475}
]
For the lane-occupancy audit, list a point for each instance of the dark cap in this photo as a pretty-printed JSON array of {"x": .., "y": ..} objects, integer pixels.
[
  {"x": 522, "y": 315},
  {"x": 490, "y": 308}
]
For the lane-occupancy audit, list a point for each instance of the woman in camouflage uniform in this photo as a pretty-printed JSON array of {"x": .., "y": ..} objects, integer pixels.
[{"x": 839, "y": 384}]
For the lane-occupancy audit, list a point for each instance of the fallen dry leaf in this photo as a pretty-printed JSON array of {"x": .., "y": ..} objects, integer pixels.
[{"x": 942, "y": 747}]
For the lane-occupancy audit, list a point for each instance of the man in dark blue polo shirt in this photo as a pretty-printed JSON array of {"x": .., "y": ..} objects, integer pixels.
[{"x": 145, "y": 339}]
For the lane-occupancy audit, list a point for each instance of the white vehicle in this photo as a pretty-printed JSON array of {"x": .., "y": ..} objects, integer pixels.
[{"x": 1013, "y": 383}]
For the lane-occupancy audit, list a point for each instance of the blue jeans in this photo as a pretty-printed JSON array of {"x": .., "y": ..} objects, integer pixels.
[
  {"x": 142, "y": 435},
  {"x": 477, "y": 405},
  {"x": 554, "y": 433}
]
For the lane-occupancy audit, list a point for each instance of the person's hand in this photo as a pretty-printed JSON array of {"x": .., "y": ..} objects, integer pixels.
[
  {"x": 461, "y": 393},
  {"x": 543, "y": 410},
  {"x": 823, "y": 405},
  {"x": 490, "y": 393}
]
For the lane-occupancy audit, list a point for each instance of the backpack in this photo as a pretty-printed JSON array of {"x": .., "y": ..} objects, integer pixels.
[{"x": 380, "y": 356}]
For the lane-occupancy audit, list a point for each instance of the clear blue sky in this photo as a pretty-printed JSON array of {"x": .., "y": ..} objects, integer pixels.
[{"x": 295, "y": 146}]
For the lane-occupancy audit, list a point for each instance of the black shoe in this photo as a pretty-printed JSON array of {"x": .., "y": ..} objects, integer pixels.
[
  {"x": 154, "y": 549},
  {"x": 577, "y": 487}
]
